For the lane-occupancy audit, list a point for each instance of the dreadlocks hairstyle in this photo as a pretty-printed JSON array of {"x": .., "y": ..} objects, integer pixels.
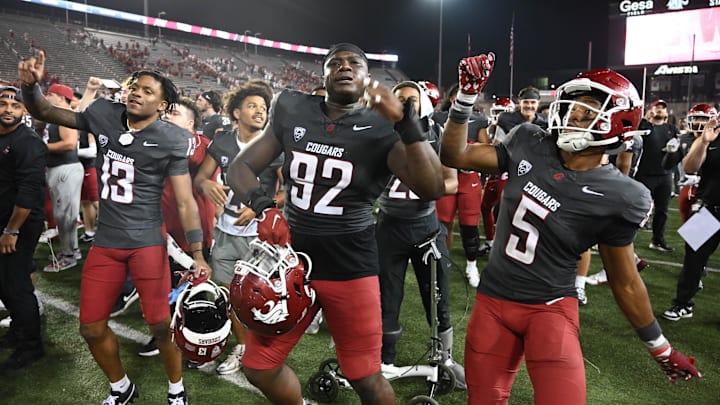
[
  {"x": 170, "y": 92},
  {"x": 235, "y": 97}
]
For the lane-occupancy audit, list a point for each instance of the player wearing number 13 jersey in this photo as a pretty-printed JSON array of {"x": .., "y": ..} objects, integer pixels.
[
  {"x": 339, "y": 154},
  {"x": 559, "y": 200},
  {"x": 139, "y": 151}
]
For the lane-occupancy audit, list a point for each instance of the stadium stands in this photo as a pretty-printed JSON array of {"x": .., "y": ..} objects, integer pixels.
[{"x": 76, "y": 53}]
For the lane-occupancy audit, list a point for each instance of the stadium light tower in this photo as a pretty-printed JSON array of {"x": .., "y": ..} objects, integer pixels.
[
  {"x": 257, "y": 35},
  {"x": 160, "y": 15},
  {"x": 440, "y": 40},
  {"x": 246, "y": 33}
]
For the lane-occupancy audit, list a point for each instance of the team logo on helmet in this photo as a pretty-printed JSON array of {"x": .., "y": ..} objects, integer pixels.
[{"x": 271, "y": 291}]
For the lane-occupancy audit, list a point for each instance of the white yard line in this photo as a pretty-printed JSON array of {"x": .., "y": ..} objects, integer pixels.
[{"x": 141, "y": 338}]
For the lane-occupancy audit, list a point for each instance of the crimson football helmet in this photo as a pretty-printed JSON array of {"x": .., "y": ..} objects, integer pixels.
[
  {"x": 271, "y": 293},
  {"x": 698, "y": 116},
  {"x": 501, "y": 105},
  {"x": 431, "y": 90},
  {"x": 201, "y": 325},
  {"x": 616, "y": 119}
]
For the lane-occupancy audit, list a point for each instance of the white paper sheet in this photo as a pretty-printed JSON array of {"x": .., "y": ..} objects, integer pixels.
[{"x": 699, "y": 228}]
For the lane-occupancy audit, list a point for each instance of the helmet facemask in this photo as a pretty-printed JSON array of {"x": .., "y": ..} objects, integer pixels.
[{"x": 603, "y": 130}]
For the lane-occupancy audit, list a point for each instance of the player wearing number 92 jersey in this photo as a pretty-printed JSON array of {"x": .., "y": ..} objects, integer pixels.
[
  {"x": 543, "y": 199},
  {"x": 131, "y": 177},
  {"x": 334, "y": 170}
]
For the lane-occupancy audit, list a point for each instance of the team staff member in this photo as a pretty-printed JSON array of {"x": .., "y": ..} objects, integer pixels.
[
  {"x": 651, "y": 172},
  {"x": 559, "y": 200},
  {"x": 22, "y": 191},
  {"x": 703, "y": 158},
  {"x": 139, "y": 151},
  {"x": 339, "y": 156}
]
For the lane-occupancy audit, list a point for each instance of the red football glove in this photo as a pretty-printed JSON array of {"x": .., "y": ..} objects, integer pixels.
[
  {"x": 189, "y": 276},
  {"x": 272, "y": 227},
  {"x": 474, "y": 72},
  {"x": 678, "y": 366}
]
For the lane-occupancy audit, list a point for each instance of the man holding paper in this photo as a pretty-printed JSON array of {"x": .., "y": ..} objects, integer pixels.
[{"x": 703, "y": 157}]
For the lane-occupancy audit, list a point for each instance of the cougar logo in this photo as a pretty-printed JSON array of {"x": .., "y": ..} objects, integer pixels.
[
  {"x": 524, "y": 167},
  {"x": 278, "y": 312}
]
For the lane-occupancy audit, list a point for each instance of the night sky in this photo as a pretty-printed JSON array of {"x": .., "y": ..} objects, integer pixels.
[{"x": 548, "y": 35}]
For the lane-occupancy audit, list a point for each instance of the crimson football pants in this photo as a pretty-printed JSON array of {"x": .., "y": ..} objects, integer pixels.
[{"x": 500, "y": 333}]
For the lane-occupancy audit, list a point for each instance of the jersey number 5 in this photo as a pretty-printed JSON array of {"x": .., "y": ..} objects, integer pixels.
[
  {"x": 526, "y": 206},
  {"x": 303, "y": 170}
]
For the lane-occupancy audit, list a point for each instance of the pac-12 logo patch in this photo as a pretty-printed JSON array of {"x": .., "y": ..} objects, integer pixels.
[
  {"x": 524, "y": 168},
  {"x": 298, "y": 133},
  {"x": 103, "y": 139}
]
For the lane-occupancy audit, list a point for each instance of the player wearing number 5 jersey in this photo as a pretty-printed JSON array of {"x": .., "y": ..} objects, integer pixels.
[
  {"x": 559, "y": 200},
  {"x": 139, "y": 151},
  {"x": 339, "y": 155}
]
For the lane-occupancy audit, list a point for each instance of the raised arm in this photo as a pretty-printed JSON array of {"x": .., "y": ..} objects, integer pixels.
[
  {"x": 698, "y": 151},
  {"x": 30, "y": 71},
  {"x": 473, "y": 73}
]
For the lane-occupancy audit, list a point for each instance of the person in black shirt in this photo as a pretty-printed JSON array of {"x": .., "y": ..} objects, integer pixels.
[
  {"x": 209, "y": 104},
  {"x": 703, "y": 158},
  {"x": 652, "y": 174},
  {"x": 22, "y": 191}
]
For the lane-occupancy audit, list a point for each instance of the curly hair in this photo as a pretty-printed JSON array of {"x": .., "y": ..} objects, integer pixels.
[{"x": 235, "y": 97}]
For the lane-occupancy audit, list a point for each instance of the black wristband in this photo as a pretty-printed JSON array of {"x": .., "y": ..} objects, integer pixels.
[
  {"x": 258, "y": 201},
  {"x": 409, "y": 126}
]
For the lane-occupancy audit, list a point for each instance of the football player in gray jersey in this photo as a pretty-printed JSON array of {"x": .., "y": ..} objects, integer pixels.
[
  {"x": 404, "y": 221},
  {"x": 139, "y": 152},
  {"x": 339, "y": 155},
  {"x": 559, "y": 200}
]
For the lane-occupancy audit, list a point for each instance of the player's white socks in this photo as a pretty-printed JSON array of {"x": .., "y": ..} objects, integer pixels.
[
  {"x": 176, "y": 388},
  {"x": 120, "y": 386},
  {"x": 471, "y": 273},
  {"x": 580, "y": 281}
]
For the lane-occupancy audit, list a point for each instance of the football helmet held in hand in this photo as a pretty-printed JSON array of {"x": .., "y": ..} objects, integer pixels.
[
  {"x": 270, "y": 292},
  {"x": 201, "y": 325},
  {"x": 613, "y": 122}
]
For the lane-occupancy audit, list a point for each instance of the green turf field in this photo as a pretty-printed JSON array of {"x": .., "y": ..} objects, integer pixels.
[{"x": 618, "y": 368}]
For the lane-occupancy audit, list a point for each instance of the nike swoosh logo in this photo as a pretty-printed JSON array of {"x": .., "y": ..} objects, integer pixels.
[
  {"x": 146, "y": 143},
  {"x": 587, "y": 190},
  {"x": 275, "y": 219},
  {"x": 712, "y": 147},
  {"x": 357, "y": 128},
  {"x": 473, "y": 184}
]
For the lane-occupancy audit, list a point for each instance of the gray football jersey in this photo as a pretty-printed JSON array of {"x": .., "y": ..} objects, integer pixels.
[
  {"x": 549, "y": 215},
  {"x": 131, "y": 177}
]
